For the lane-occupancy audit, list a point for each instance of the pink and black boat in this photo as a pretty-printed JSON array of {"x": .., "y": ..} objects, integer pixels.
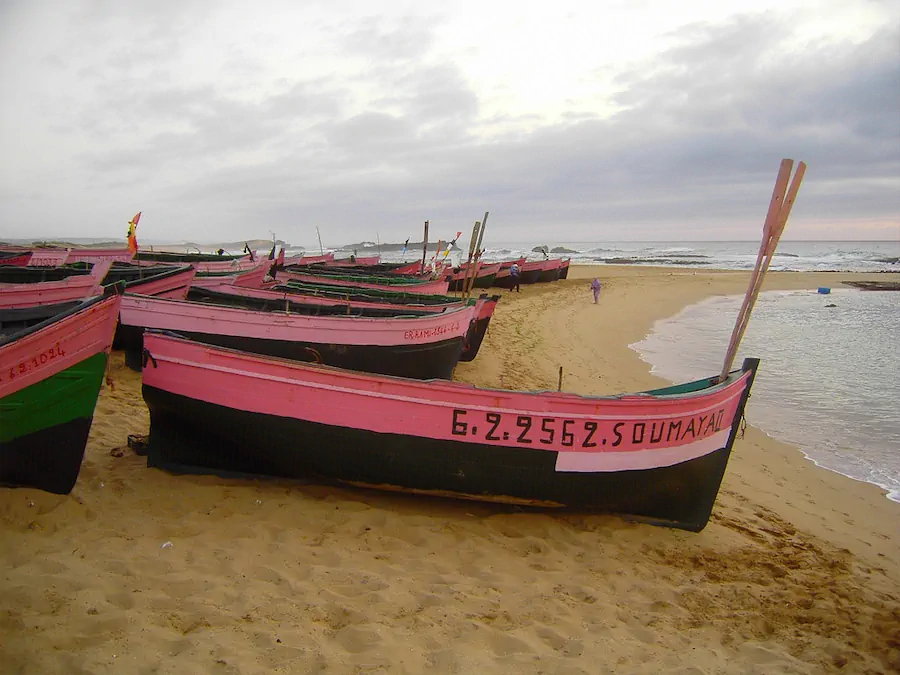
[
  {"x": 384, "y": 282},
  {"x": 658, "y": 456},
  {"x": 308, "y": 259},
  {"x": 550, "y": 270},
  {"x": 94, "y": 255},
  {"x": 374, "y": 305},
  {"x": 503, "y": 278},
  {"x": 564, "y": 268},
  {"x": 530, "y": 271},
  {"x": 411, "y": 346},
  {"x": 15, "y": 258},
  {"x": 30, "y": 287},
  {"x": 52, "y": 362},
  {"x": 484, "y": 276}
]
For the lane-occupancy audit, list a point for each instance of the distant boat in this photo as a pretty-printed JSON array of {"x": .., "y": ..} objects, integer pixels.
[
  {"x": 658, "y": 456},
  {"x": 485, "y": 274},
  {"x": 550, "y": 270},
  {"x": 52, "y": 361},
  {"x": 15, "y": 258},
  {"x": 383, "y": 282},
  {"x": 30, "y": 287},
  {"x": 412, "y": 346}
]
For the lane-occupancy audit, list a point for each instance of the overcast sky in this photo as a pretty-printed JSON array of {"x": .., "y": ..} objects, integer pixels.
[{"x": 569, "y": 121}]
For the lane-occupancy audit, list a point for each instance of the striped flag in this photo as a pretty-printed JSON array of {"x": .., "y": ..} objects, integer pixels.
[{"x": 132, "y": 237}]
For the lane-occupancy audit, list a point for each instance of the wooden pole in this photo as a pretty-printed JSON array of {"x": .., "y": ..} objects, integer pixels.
[
  {"x": 424, "y": 249},
  {"x": 471, "y": 275},
  {"x": 776, "y": 220},
  {"x": 473, "y": 242},
  {"x": 559, "y": 384},
  {"x": 321, "y": 248}
]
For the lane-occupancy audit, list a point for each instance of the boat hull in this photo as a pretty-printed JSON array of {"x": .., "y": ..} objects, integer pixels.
[
  {"x": 50, "y": 378},
  {"x": 423, "y": 437},
  {"x": 46, "y": 427},
  {"x": 417, "y": 347}
]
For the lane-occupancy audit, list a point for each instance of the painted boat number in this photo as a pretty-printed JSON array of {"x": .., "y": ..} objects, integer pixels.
[
  {"x": 27, "y": 365},
  {"x": 569, "y": 433},
  {"x": 431, "y": 332}
]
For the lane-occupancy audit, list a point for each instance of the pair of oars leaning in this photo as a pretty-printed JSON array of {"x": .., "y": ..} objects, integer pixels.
[{"x": 779, "y": 209}]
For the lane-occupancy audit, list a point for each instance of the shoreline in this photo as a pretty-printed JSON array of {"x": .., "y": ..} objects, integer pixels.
[
  {"x": 140, "y": 570},
  {"x": 891, "y": 487}
]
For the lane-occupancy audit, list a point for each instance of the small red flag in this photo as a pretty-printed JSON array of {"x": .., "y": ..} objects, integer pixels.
[{"x": 132, "y": 237}]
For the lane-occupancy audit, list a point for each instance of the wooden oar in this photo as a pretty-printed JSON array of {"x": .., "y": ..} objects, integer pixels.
[
  {"x": 424, "y": 248},
  {"x": 776, "y": 220},
  {"x": 472, "y": 274},
  {"x": 473, "y": 242}
]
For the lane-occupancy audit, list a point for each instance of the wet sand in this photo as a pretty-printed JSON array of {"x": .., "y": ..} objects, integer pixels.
[{"x": 141, "y": 571}]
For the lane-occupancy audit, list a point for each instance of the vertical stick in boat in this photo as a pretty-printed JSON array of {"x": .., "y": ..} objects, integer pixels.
[
  {"x": 321, "y": 248},
  {"x": 424, "y": 248},
  {"x": 472, "y": 274},
  {"x": 779, "y": 211}
]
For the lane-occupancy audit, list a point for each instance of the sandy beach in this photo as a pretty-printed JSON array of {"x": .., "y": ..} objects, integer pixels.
[{"x": 140, "y": 571}]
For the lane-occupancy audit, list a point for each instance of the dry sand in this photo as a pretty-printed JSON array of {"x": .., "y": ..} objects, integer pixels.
[{"x": 139, "y": 571}]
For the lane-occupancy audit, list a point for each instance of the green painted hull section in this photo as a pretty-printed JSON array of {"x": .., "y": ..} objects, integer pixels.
[{"x": 69, "y": 395}]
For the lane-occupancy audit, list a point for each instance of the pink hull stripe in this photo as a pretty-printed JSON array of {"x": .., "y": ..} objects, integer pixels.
[
  {"x": 429, "y": 287},
  {"x": 76, "y": 287},
  {"x": 177, "y": 315},
  {"x": 51, "y": 350},
  {"x": 592, "y": 462},
  {"x": 610, "y": 433}
]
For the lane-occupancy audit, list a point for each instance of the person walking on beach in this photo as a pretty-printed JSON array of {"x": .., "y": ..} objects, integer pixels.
[
  {"x": 595, "y": 287},
  {"x": 514, "y": 274}
]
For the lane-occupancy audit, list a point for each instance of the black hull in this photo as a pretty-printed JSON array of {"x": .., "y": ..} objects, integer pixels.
[
  {"x": 564, "y": 272},
  {"x": 473, "y": 340},
  {"x": 485, "y": 281},
  {"x": 529, "y": 277},
  {"x": 548, "y": 275},
  {"x": 421, "y": 362},
  {"x": 48, "y": 459},
  {"x": 187, "y": 435}
]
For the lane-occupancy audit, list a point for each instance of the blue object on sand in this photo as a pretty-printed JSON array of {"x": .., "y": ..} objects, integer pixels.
[{"x": 824, "y": 290}]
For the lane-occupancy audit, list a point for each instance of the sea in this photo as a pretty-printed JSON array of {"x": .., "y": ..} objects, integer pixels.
[{"x": 829, "y": 377}]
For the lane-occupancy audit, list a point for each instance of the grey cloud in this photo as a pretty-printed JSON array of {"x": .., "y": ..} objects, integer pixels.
[{"x": 692, "y": 151}]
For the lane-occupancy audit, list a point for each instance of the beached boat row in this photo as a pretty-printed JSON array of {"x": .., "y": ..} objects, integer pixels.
[{"x": 343, "y": 372}]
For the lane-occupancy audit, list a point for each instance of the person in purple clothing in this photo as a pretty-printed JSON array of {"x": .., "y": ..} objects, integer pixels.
[{"x": 595, "y": 287}]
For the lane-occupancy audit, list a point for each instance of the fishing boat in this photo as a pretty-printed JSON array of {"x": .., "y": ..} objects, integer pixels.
[
  {"x": 385, "y": 282},
  {"x": 159, "y": 279},
  {"x": 379, "y": 306},
  {"x": 564, "y": 268},
  {"x": 530, "y": 271},
  {"x": 52, "y": 361},
  {"x": 410, "y": 346},
  {"x": 28, "y": 287},
  {"x": 504, "y": 278},
  {"x": 205, "y": 263},
  {"x": 358, "y": 294},
  {"x": 162, "y": 281},
  {"x": 658, "y": 456},
  {"x": 549, "y": 270},
  {"x": 484, "y": 311},
  {"x": 15, "y": 258},
  {"x": 93, "y": 255},
  {"x": 349, "y": 301},
  {"x": 308, "y": 259},
  {"x": 485, "y": 274}
]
